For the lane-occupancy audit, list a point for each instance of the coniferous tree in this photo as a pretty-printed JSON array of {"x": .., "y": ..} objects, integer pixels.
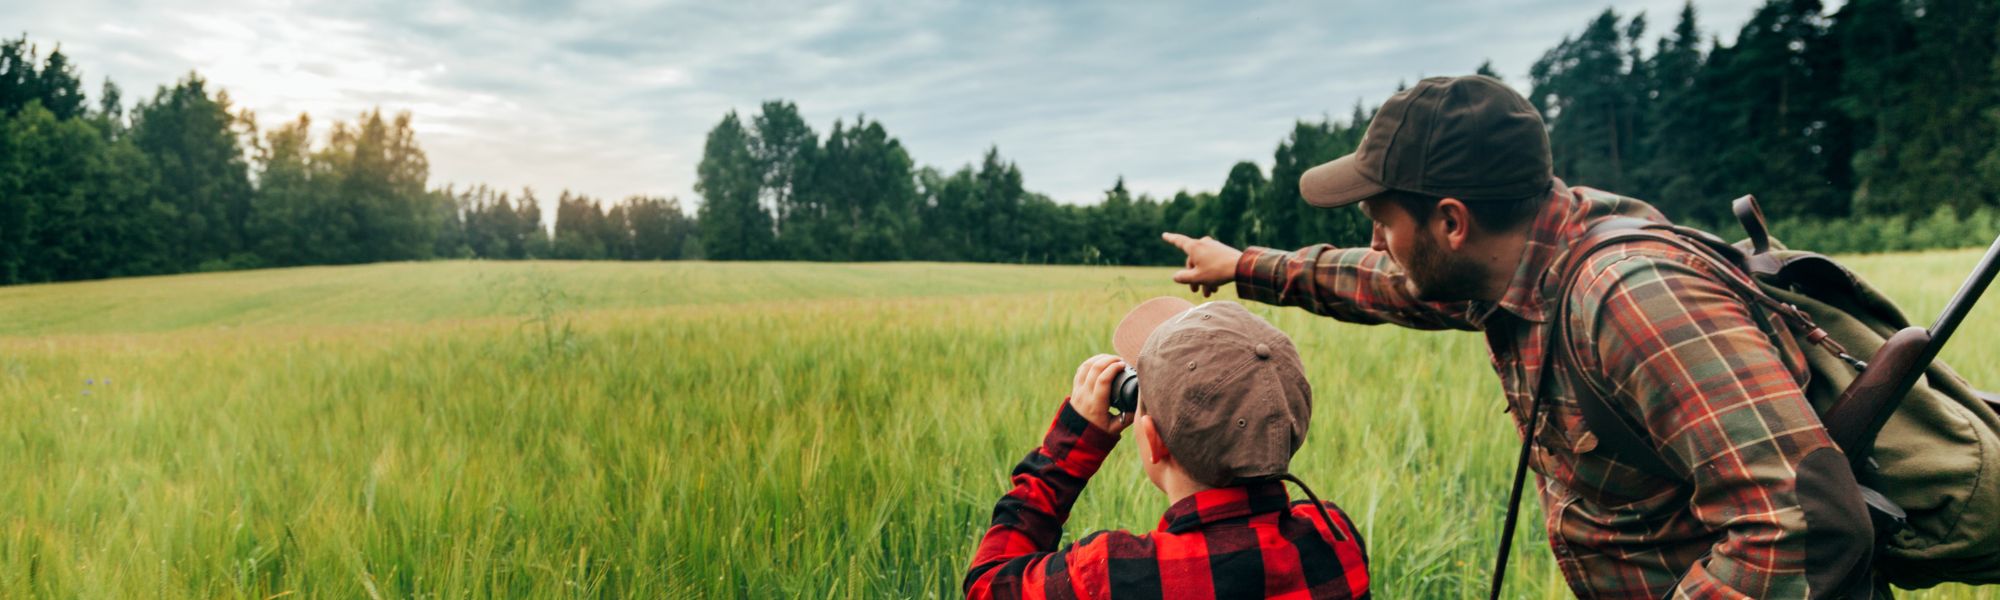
[
  {"x": 883, "y": 192},
  {"x": 202, "y": 175},
  {"x": 453, "y": 236},
  {"x": 1919, "y": 83},
  {"x": 1589, "y": 92},
  {"x": 1486, "y": 68},
  {"x": 1668, "y": 140},
  {"x": 1239, "y": 193},
  {"x": 785, "y": 147},
  {"x": 659, "y": 229},
  {"x": 576, "y": 229},
  {"x": 59, "y": 87},
  {"x": 943, "y": 203},
  {"x": 1118, "y": 226},
  {"x": 290, "y": 204},
  {"x": 124, "y": 214},
  {"x": 1001, "y": 213},
  {"x": 527, "y": 238},
  {"x": 734, "y": 227},
  {"x": 1293, "y": 222},
  {"x": 25, "y": 76},
  {"x": 1779, "y": 135}
]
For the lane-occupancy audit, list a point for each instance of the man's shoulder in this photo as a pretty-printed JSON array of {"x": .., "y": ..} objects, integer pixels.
[
  {"x": 1601, "y": 202},
  {"x": 1594, "y": 207},
  {"x": 1646, "y": 271},
  {"x": 1609, "y": 264}
]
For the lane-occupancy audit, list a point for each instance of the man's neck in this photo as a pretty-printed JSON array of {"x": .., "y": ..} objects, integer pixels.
[{"x": 1499, "y": 257}]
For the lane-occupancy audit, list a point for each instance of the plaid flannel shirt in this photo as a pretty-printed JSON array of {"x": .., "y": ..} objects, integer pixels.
[
  {"x": 1235, "y": 542},
  {"x": 1678, "y": 353}
]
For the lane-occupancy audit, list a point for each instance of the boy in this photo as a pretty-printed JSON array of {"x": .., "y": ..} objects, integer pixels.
[{"x": 1223, "y": 405}]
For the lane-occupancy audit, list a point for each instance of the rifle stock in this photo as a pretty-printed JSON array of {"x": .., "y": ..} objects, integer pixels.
[{"x": 1874, "y": 395}]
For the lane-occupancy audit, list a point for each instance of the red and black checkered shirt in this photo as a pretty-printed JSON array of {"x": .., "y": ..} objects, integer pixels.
[{"x": 1236, "y": 542}]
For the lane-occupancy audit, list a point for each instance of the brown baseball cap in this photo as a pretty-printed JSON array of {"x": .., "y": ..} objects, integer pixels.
[
  {"x": 1471, "y": 138},
  {"x": 1225, "y": 389}
]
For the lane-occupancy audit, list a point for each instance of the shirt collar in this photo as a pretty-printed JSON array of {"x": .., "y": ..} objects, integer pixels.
[
  {"x": 1220, "y": 504},
  {"x": 1548, "y": 239}
]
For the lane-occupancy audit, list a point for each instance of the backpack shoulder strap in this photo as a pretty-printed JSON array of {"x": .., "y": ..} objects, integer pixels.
[{"x": 1614, "y": 433}]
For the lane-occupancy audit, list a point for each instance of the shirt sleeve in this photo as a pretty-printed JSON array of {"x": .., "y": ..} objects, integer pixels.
[
  {"x": 1357, "y": 285},
  {"x": 1017, "y": 558},
  {"x": 1724, "y": 410}
]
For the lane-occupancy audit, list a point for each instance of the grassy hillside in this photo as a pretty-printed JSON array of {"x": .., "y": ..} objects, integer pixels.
[{"x": 692, "y": 429}]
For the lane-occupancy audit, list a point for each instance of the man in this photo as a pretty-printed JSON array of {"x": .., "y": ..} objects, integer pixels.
[
  {"x": 1223, "y": 404},
  {"x": 1471, "y": 229}
]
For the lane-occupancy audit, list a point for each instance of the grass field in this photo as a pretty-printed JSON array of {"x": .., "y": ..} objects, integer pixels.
[{"x": 485, "y": 429}]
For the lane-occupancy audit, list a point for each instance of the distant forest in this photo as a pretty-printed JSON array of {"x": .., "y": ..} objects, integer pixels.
[{"x": 1870, "y": 129}]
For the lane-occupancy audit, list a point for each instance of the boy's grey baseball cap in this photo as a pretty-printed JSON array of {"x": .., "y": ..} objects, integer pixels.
[{"x": 1225, "y": 389}]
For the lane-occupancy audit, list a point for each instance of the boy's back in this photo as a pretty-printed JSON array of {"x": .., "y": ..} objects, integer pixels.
[{"x": 1245, "y": 539}]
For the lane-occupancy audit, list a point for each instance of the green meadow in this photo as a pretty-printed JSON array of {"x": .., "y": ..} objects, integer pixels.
[{"x": 552, "y": 429}]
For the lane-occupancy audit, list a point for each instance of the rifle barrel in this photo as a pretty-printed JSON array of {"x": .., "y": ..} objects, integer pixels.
[{"x": 1961, "y": 303}]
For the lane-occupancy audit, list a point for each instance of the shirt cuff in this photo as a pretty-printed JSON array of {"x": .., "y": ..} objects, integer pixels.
[
  {"x": 1250, "y": 284},
  {"x": 1075, "y": 443}
]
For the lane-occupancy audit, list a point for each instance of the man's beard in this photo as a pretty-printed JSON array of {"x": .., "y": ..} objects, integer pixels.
[{"x": 1437, "y": 277}]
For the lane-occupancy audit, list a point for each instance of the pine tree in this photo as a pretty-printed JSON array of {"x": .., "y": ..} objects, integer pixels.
[
  {"x": 785, "y": 147},
  {"x": 1919, "y": 83},
  {"x": 734, "y": 227},
  {"x": 1239, "y": 193},
  {"x": 1672, "y": 68},
  {"x": 1589, "y": 91},
  {"x": 203, "y": 177},
  {"x": 1486, "y": 68}
]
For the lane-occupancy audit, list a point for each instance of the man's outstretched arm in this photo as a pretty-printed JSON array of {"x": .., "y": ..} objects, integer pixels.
[
  {"x": 1357, "y": 285},
  {"x": 1017, "y": 558}
]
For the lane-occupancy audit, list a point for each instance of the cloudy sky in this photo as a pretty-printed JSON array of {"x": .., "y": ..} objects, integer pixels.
[{"x": 614, "y": 98}]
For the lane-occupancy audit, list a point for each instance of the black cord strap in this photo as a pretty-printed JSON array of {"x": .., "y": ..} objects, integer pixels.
[
  {"x": 1514, "y": 497},
  {"x": 1317, "y": 505}
]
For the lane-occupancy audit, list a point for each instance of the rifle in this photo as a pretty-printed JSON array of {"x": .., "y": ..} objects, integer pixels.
[{"x": 1865, "y": 406}]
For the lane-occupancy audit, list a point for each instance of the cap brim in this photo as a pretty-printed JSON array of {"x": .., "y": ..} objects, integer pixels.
[
  {"x": 1339, "y": 182},
  {"x": 1130, "y": 337}
]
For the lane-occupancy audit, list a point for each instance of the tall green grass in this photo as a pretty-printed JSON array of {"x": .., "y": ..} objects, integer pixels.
[{"x": 670, "y": 430}]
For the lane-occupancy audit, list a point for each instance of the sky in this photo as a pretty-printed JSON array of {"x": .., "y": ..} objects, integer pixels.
[{"x": 614, "y": 98}]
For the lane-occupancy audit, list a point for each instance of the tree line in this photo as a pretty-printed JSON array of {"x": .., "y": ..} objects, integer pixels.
[
  {"x": 187, "y": 182},
  {"x": 1880, "y": 114},
  {"x": 1871, "y": 128},
  {"x": 772, "y": 188}
]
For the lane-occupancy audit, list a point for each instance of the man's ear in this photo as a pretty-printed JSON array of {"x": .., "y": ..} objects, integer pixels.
[
  {"x": 1454, "y": 222},
  {"x": 1156, "y": 448}
]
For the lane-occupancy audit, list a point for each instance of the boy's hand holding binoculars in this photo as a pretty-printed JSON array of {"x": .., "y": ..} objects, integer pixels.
[{"x": 1090, "y": 394}]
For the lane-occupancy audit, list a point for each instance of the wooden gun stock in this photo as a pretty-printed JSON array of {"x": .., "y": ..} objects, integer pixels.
[{"x": 1867, "y": 403}]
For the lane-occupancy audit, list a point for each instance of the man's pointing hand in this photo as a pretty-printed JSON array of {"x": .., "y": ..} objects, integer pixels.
[{"x": 1210, "y": 263}]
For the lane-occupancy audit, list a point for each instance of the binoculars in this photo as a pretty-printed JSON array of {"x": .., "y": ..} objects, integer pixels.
[{"x": 1125, "y": 391}]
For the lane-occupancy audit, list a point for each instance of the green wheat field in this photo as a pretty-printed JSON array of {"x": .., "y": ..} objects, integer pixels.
[{"x": 552, "y": 429}]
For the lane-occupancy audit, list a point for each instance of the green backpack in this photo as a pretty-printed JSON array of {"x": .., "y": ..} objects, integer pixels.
[{"x": 1930, "y": 470}]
